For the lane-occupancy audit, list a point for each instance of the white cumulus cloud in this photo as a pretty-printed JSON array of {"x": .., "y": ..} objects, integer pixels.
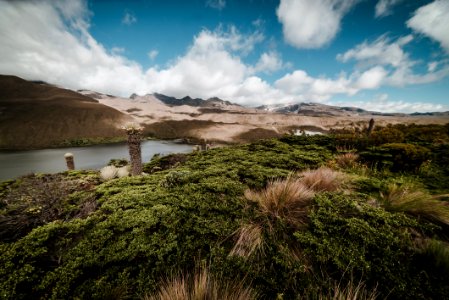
[
  {"x": 385, "y": 7},
  {"x": 398, "y": 69},
  {"x": 372, "y": 78},
  {"x": 46, "y": 40},
  {"x": 269, "y": 62},
  {"x": 432, "y": 20},
  {"x": 382, "y": 51},
  {"x": 312, "y": 23}
]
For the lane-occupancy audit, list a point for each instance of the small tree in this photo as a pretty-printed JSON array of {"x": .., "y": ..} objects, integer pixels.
[{"x": 134, "y": 133}]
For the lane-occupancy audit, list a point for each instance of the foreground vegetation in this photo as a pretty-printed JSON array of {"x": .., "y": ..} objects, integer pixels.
[{"x": 324, "y": 217}]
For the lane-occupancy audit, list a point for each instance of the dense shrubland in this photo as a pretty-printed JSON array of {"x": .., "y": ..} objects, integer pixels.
[{"x": 322, "y": 217}]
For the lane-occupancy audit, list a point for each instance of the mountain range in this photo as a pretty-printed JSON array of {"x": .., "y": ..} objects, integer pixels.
[{"x": 35, "y": 114}]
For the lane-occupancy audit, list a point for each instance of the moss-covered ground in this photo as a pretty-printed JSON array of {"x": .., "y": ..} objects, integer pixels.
[{"x": 71, "y": 235}]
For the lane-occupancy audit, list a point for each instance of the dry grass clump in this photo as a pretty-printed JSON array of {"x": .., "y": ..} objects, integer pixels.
[
  {"x": 407, "y": 199},
  {"x": 347, "y": 160},
  {"x": 351, "y": 291},
  {"x": 202, "y": 286},
  {"x": 322, "y": 180},
  {"x": 249, "y": 240},
  {"x": 286, "y": 199}
]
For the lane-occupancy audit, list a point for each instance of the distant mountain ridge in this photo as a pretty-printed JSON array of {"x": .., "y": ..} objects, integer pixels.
[
  {"x": 304, "y": 109},
  {"x": 187, "y": 100},
  {"x": 322, "y": 110}
]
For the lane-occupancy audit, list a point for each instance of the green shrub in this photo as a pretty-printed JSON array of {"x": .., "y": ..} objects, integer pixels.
[
  {"x": 40, "y": 199},
  {"x": 387, "y": 135},
  {"x": 144, "y": 228},
  {"x": 118, "y": 162},
  {"x": 406, "y": 157},
  {"x": 346, "y": 235},
  {"x": 399, "y": 157},
  {"x": 175, "y": 178}
]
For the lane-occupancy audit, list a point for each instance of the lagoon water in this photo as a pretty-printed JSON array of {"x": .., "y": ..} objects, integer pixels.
[{"x": 18, "y": 163}]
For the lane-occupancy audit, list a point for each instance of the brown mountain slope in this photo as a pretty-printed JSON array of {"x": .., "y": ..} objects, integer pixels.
[{"x": 35, "y": 115}]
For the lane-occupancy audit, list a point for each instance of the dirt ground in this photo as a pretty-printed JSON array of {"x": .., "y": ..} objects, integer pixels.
[{"x": 232, "y": 124}]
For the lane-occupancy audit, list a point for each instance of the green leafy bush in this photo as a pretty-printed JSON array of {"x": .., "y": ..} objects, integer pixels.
[
  {"x": 191, "y": 208},
  {"x": 397, "y": 156},
  {"x": 348, "y": 235},
  {"x": 406, "y": 157},
  {"x": 387, "y": 135}
]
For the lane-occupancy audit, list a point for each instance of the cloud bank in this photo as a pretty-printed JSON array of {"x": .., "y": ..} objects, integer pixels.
[
  {"x": 54, "y": 45},
  {"x": 432, "y": 20}
]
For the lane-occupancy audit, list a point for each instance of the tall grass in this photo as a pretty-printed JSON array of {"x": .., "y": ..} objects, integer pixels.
[
  {"x": 406, "y": 198},
  {"x": 322, "y": 180},
  {"x": 351, "y": 291},
  {"x": 437, "y": 253},
  {"x": 249, "y": 239},
  {"x": 347, "y": 160},
  {"x": 340, "y": 290},
  {"x": 202, "y": 286},
  {"x": 287, "y": 199}
]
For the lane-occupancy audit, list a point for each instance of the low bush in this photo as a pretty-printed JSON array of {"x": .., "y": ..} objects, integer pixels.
[
  {"x": 399, "y": 157},
  {"x": 296, "y": 236},
  {"x": 36, "y": 200},
  {"x": 387, "y": 135}
]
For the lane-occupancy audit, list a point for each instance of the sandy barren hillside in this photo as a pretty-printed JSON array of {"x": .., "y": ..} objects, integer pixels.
[
  {"x": 223, "y": 122},
  {"x": 35, "y": 114}
]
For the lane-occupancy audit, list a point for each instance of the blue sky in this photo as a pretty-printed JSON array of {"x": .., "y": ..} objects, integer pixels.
[{"x": 385, "y": 55}]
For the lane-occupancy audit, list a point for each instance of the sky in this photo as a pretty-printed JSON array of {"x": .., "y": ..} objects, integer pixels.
[{"x": 383, "y": 55}]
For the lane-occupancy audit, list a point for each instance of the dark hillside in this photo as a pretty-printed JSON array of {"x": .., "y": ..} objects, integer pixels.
[{"x": 34, "y": 115}]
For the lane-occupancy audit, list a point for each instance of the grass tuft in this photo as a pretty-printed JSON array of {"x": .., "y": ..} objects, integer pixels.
[
  {"x": 347, "y": 161},
  {"x": 249, "y": 239},
  {"x": 202, "y": 285},
  {"x": 405, "y": 198},
  {"x": 322, "y": 180},
  {"x": 351, "y": 291},
  {"x": 287, "y": 199}
]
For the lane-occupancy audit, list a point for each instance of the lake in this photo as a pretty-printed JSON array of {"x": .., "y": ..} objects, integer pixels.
[{"x": 18, "y": 163}]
